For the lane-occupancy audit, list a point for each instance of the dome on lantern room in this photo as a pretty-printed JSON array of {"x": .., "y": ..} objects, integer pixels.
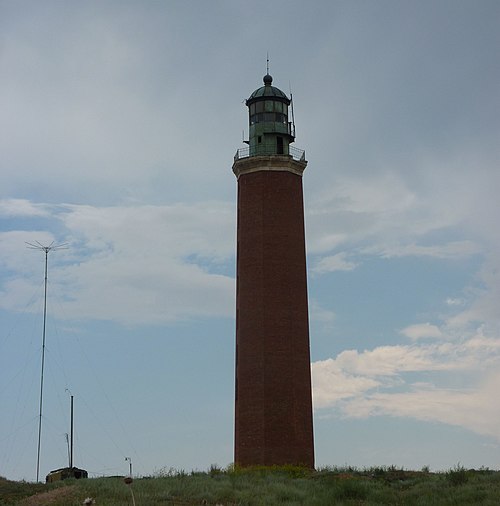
[{"x": 268, "y": 91}]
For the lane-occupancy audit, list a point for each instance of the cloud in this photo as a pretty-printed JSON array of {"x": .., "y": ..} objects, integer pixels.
[
  {"x": 10, "y": 208},
  {"x": 331, "y": 384},
  {"x": 352, "y": 209},
  {"x": 203, "y": 229},
  {"x": 450, "y": 250},
  {"x": 454, "y": 301},
  {"x": 378, "y": 382},
  {"x": 441, "y": 206},
  {"x": 319, "y": 314},
  {"x": 104, "y": 113},
  {"x": 16, "y": 258},
  {"x": 390, "y": 361},
  {"x": 333, "y": 263},
  {"x": 471, "y": 408},
  {"x": 421, "y": 330},
  {"x": 131, "y": 265},
  {"x": 444, "y": 211}
]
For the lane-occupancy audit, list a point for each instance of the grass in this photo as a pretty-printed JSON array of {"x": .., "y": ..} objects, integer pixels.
[{"x": 269, "y": 486}]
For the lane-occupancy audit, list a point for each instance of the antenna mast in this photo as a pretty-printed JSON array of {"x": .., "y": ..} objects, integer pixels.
[
  {"x": 46, "y": 250},
  {"x": 71, "y": 446},
  {"x": 293, "y": 116}
]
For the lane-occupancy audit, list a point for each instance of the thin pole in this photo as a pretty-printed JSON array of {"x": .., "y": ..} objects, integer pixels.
[
  {"x": 71, "y": 446},
  {"x": 293, "y": 116},
  {"x": 46, "y": 249},
  {"x": 66, "y": 435}
]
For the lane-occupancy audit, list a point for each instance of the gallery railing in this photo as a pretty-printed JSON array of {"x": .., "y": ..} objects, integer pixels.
[{"x": 295, "y": 153}]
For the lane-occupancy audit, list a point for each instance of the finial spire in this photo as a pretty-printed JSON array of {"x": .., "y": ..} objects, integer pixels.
[{"x": 267, "y": 78}]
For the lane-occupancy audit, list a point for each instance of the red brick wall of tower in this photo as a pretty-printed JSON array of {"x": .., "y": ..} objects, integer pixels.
[{"x": 273, "y": 408}]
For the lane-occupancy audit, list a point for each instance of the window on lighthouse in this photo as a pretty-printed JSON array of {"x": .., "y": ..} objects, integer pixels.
[{"x": 279, "y": 141}]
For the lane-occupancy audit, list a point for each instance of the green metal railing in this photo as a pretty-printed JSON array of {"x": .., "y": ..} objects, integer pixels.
[{"x": 297, "y": 154}]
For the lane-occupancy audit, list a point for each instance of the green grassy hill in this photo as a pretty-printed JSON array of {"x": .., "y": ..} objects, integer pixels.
[{"x": 264, "y": 486}]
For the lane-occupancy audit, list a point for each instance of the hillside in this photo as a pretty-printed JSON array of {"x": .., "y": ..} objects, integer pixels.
[{"x": 259, "y": 487}]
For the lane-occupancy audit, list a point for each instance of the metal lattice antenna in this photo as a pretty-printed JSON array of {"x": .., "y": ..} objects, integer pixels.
[{"x": 46, "y": 250}]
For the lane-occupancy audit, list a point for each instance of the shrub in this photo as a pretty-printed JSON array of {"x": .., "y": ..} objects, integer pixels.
[
  {"x": 215, "y": 470},
  {"x": 457, "y": 475}
]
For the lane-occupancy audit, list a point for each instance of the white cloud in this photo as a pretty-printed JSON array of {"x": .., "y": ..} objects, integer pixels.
[
  {"x": 379, "y": 209},
  {"x": 376, "y": 382},
  {"x": 338, "y": 262},
  {"x": 331, "y": 383},
  {"x": 179, "y": 230},
  {"x": 143, "y": 264},
  {"x": 454, "y": 301},
  {"x": 450, "y": 250},
  {"x": 422, "y": 330},
  {"x": 393, "y": 360},
  {"x": 319, "y": 239},
  {"x": 473, "y": 408},
  {"x": 483, "y": 309},
  {"x": 16, "y": 256},
  {"x": 21, "y": 208},
  {"x": 318, "y": 314},
  {"x": 385, "y": 194},
  {"x": 479, "y": 343},
  {"x": 446, "y": 213},
  {"x": 444, "y": 208}
]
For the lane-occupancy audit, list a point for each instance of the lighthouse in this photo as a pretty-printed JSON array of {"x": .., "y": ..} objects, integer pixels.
[{"x": 273, "y": 406}]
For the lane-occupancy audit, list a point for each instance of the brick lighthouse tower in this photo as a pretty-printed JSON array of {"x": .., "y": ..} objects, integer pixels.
[{"x": 273, "y": 408}]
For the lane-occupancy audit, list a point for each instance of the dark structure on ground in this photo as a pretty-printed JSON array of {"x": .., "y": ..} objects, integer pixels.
[
  {"x": 66, "y": 473},
  {"x": 273, "y": 408}
]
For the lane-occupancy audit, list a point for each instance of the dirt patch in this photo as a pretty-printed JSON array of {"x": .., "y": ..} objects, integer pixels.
[{"x": 51, "y": 497}]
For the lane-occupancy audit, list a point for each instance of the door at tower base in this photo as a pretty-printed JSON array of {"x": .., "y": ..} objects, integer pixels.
[{"x": 273, "y": 407}]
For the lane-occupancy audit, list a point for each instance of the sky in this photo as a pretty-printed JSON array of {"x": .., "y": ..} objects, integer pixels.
[{"x": 119, "y": 122}]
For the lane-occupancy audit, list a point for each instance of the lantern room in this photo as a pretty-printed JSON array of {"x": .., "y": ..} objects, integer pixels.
[{"x": 270, "y": 131}]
